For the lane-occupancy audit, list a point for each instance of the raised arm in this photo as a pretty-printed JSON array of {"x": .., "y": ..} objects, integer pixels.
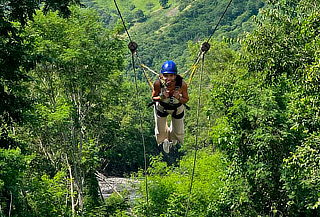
[{"x": 156, "y": 90}]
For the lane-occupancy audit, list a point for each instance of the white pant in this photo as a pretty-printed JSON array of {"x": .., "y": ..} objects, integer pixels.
[{"x": 176, "y": 130}]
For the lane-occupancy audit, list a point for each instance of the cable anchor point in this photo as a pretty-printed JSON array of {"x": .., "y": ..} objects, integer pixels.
[
  {"x": 133, "y": 46},
  {"x": 205, "y": 47}
]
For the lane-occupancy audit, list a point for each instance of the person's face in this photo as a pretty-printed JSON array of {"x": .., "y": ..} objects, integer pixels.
[{"x": 169, "y": 78}]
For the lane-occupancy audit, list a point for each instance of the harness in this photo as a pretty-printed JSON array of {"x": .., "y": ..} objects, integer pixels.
[
  {"x": 172, "y": 101},
  {"x": 171, "y": 105}
]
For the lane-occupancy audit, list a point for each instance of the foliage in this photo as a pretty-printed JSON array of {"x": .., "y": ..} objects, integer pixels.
[
  {"x": 169, "y": 186},
  {"x": 13, "y": 165},
  {"x": 266, "y": 115},
  {"x": 47, "y": 196},
  {"x": 163, "y": 3},
  {"x": 14, "y": 62},
  {"x": 285, "y": 40},
  {"x": 13, "y": 58},
  {"x": 301, "y": 178},
  {"x": 258, "y": 142},
  {"x": 170, "y": 28},
  {"x": 75, "y": 83}
]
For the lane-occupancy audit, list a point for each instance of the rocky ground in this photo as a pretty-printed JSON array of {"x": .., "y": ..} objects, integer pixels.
[{"x": 117, "y": 185}]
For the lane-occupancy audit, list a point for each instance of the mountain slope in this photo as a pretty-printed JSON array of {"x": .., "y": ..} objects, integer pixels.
[{"x": 163, "y": 33}]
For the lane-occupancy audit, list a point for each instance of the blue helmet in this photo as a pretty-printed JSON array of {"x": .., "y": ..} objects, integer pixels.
[{"x": 169, "y": 67}]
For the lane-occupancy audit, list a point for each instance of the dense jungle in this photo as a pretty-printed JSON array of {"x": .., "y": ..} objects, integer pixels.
[{"x": 72, "y": 106}]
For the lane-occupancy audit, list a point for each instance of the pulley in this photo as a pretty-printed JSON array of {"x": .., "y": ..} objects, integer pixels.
[
  {"x": 133, "y": 46},
  {"x": 205, "y": 47}
]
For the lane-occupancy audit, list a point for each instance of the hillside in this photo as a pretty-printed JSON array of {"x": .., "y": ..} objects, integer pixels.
[
  {"x": 163, "y": 33},
  {"x": 70, "y": 111}
]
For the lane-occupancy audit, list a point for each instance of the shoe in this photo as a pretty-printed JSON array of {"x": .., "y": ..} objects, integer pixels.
[
  {"x": 159, "y": 148},
  {"x": 166, "y": 146}
]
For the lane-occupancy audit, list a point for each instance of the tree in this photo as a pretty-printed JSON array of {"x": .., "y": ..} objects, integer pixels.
[
  {"x": 163, "y": 3},
  {"x": 301, "y": 178},
  {"x": 269, "y": 118},
  {"x": 14, "y": 63},
  {"x": 75, "y": 84},
  {"x": 13, "y": 59}
]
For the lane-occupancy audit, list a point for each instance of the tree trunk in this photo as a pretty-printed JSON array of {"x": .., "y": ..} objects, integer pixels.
[{"x": 71, "y": 188}]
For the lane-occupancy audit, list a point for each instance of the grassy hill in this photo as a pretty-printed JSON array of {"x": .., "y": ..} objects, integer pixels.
[{"x": 163, "y": 33}]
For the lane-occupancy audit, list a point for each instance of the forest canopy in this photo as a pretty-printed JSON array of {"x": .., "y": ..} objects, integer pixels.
[{"x": 70, "y": 109}]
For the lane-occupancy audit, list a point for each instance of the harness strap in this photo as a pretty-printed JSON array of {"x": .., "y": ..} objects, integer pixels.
[
  {"x": 162, "y": 114},
  {"x": 179, "y": 116},
  {"x": 154, "y": 103},
  {"x": 174, "y": 114},
  {"x": 167, "y": 106}
]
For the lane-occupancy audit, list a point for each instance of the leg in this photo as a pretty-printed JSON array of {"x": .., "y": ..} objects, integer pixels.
[
  {"x": 177, "y": 125},
  {"x": 161, "y": 128}
]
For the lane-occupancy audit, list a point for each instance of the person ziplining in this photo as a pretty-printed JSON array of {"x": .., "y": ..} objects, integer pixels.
[{"x": 170, "y": 94}]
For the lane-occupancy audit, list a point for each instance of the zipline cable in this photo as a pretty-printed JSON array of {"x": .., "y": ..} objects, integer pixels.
[
  {"x": 141, "y": 128},
  {"x": 197, "y": 132},
  {"x": 123, "y": 23},
  {"x": 196, "y": 61},
  {"x": 132, "y": 44},
  {"x": 133, "y": 48},
  {"x": 204, "y": 49},
  {"x": 216, "y": 27}
]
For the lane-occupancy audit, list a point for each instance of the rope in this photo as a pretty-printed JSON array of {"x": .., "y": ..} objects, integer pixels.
[
  {"x": 197, "y": 133},
  {"x": 123, "y": 23},
  {"x": 195, "y": 63},
  {"x": 133, "y": 48},
  {"x": 141, "y": 127},
  {"x": 194, "y": 68},
  {"x": 204, "y": 48},
  {"x": 146, "y": 67},
  {"x": 216, "y": 27},
  {"x": 149, "y": 80}
]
